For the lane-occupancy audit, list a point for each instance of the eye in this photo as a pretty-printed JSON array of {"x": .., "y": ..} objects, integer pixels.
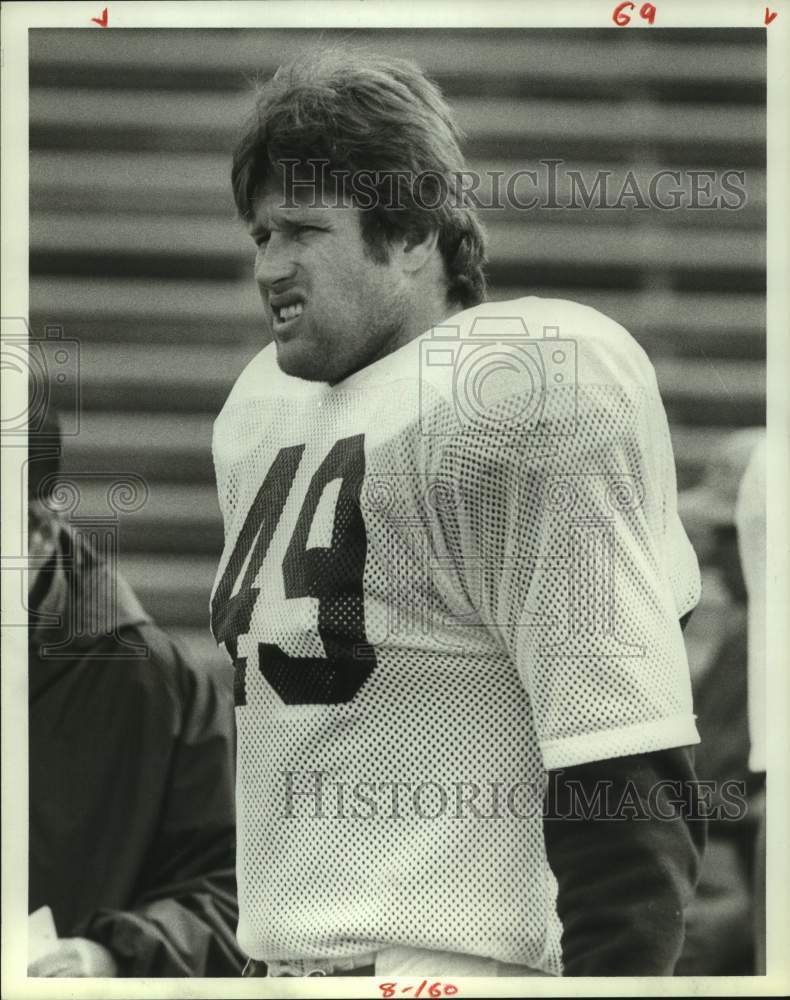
[{"x": 262, "y": 238}]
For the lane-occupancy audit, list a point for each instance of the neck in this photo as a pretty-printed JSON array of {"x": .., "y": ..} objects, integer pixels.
[{"x": 432, "y": 311}]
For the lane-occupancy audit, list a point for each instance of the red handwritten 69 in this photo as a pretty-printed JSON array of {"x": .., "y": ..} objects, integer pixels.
[
  {"x": 621, "y": 17},
  {"x": 436, "y": 989}
]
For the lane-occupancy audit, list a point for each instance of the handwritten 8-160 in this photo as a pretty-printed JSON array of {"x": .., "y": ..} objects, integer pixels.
[{"x": 437, "y": 989}]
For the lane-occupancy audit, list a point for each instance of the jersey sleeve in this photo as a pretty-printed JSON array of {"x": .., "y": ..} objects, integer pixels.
[{"x": 573, "y": 554}]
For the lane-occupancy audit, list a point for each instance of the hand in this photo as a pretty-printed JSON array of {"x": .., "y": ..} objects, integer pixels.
[{"x": 75, "y": 957}]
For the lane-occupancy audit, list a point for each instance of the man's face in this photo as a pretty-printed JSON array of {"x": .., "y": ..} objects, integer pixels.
[{"x": 332, "y": 309}]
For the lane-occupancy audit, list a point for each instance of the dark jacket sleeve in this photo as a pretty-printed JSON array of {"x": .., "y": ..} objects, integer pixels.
[
  {"x": 625, "y": 870},
  {"x": 184, "y": 918}
]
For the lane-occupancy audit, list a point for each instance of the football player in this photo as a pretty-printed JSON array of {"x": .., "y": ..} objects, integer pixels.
[{"x": 453, "y": 576}]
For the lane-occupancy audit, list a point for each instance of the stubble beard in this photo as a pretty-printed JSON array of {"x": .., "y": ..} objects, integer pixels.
[{"x": 385, "y": 333}]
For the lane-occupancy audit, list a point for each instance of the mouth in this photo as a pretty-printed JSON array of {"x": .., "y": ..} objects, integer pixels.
[{"x": 286, "y": 310}]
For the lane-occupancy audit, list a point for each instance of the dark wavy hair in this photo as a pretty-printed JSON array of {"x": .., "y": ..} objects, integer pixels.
[{"x": 374, "y": 119}]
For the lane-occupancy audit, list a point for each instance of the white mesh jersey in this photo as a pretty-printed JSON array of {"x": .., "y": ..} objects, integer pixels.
[
  {"x": 750, "y": 520},
  {"x": 460, "y": 567}
]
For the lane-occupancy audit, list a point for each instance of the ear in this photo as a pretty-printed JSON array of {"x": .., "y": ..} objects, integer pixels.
[{"x": 417, "y": 249}]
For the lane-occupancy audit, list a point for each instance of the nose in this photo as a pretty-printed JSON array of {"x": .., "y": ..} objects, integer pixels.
[{"x": 273, "y": 263}]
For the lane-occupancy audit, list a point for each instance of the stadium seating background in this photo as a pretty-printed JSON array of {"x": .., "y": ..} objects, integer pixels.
[{"x": 136, "y": 253}]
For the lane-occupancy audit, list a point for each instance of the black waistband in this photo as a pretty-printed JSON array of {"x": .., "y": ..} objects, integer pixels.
[{"x": 256, "y": 968}]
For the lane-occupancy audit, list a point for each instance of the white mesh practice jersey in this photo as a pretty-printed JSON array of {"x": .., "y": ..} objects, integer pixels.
[
  {"x": 750, "y": 519},
  {"x": 456, "y": 569}
]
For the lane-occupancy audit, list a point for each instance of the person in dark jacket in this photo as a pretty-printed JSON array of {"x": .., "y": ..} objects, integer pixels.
[
  {"x": 132, "y": 834},
  {"x": 719, "y": 941}
]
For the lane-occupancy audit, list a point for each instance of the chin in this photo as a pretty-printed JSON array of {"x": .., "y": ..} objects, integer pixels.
[{"x": 297, "y": 359}]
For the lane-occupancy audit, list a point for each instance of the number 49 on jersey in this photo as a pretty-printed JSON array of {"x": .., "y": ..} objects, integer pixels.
[{"x": 333, "y": 576}]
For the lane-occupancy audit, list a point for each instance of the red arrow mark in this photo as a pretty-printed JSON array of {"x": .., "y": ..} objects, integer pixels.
[
  {"x": 769, "y": 16},
  {"x": 102, "y": 21}
]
